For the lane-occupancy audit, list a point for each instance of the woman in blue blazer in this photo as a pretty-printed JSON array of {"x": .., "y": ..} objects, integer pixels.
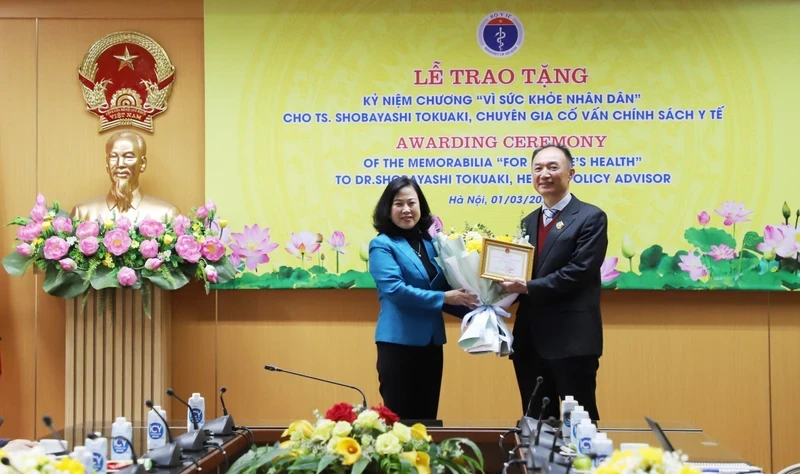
[{"x": 413, "y": 292}]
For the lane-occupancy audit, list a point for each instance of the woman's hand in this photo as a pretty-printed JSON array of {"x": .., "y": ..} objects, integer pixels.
[{"x": 461, "y": 298}]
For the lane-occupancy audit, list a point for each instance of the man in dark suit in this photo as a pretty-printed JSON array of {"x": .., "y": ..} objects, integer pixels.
[{"x": 558, "y": 333}]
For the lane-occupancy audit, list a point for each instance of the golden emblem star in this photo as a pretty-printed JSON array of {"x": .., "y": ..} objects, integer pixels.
[{"x": 126, "y": 60}]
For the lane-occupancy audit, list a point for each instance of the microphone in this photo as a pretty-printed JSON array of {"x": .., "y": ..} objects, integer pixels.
[
  {"x": 165, "y": 456},
  {"x": 49, "y": 423},
  {"x": 7, "y": 463},
  {"x": 2, "y": 420},
  {"x": 545, "y": 402},
  {"x": 524, "y": 424},
  {"x": 194, "y": 441},
  {"x": 224, "y": 425},
  {"x": 272, "y": 368},
  {"x": 539, "y": 381},
  {"x": 135, "y": 468}
]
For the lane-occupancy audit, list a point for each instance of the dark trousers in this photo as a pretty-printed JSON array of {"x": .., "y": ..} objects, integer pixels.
[
  {"x": 410, "y": 379},
  {"x": 576, "y": 376}
]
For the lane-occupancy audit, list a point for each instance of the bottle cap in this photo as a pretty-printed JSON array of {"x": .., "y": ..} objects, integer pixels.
[
  {"x": 121, "y": 419},
  {"x": 586, "y": 421},
  {"x": 601, "y": 436},
  {"x": 195, "y": 395}
]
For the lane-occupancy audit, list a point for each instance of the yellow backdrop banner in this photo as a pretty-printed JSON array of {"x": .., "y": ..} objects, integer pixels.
[{"x": 680, "y": 115}]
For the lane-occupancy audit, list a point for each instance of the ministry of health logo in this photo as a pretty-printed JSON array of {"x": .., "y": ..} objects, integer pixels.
[{"x": 500, "y": 34}]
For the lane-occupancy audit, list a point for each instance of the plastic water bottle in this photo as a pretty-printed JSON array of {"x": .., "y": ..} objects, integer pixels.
[
  {"x": 575, "y": 418},
  {"x": 83, "y": 456},
  {"x": 586, "y": 433},
  {"x": 602, "y": 448},
  {"x": 120, "y": 450},
  {"x": 156, "y": 430},
  {"x": 567, "y": 405},
  {"x": 198, "y": 407},
  {"x": 99, "y": 449}
]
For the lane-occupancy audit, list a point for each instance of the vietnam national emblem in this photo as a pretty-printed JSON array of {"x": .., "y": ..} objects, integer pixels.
[{"x": 126, "y": 79}]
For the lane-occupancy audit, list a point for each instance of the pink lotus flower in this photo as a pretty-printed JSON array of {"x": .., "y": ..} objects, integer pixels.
[
  {"x": 38, "y": 213},
  {"x": 733, "y": 213},
  {"x": 123, "y": 223},
  {"x": 210, "y": 206},
  {"x": 188, "y": 248},
  {"x": 62, "y": 224},
  {"x": 40, "y": 200},
  {"x": 303, "y": 245},
  {"x": 436, "y": 227},
  {"x": 151, "y": 228},
  {"x": 337, "y": 242},
  {"x": 180, "y": 223},
  {"x": 29, "y": 232},
  {"x": 87, "y": 229},
  {"x": 211, "y": 274},
  {"x": 127, "y": 277},
  {"x": 149, "y": 248},
  {"x": 153, "y": 264},
  {"x": 68, "y": 264},
  {"x": 780, "y": 239},
  {"x": 722, "y": 252},
  {"x": 117, "y": 241},
  {"x": 202, "y": 212},
  {"x": 703, "y": 218},
  {"x": 694, "y": 266},
  {"x": 55, "y": 248},
  {"x": 88, "y": 246},
  {"x": 253, "y": 245},
  {"x": 212, "y": 249},
  {"x": 25, "y": 250},
  {"x": 608, "y": 271}
]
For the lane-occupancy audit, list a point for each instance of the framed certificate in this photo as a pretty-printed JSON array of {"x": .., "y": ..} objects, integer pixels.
[{"x": 501, "y": 260}]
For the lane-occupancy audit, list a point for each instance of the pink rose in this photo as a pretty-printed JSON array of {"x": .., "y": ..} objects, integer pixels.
[
  {"x": 149, "y": 248},
  {"x": 62, "y": 224},
  {"x": 88, "y": 246},
  {"x": 55, "y": 248},
  {"x": 38, "y": 213},
  {"x": 188, "y": 248},
  {"x": 127, "y": 277},
  {"x": 152, "y": 264},
  {"x": 202, "y": 212},
  {"x": 151, "y": 228},
  {"x": 180, "y": 223},
  {"x": 212, "y": 249},
  {"x": 40, "y": 200},
  {"x": 211, "y": 274},
  {"x": 29, "y": 232},
  {"x": 87, "y": 229},
  {"x": 68, "y": 264},
  {"x": 117, "y": 241},
  {"x": 211, "y": 206},
  {"x": 25, "y": 250},
  {"x": 123, "y": 223}
]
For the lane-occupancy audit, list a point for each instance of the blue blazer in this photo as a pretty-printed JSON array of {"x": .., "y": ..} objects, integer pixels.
[{"x": 411, "y": 303}]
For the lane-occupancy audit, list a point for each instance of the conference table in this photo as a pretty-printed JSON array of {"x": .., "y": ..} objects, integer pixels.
[{"x": 485, "y": 433}]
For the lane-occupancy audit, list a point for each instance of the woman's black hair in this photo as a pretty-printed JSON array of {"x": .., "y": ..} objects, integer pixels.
[{"x": 382, "y": 217}]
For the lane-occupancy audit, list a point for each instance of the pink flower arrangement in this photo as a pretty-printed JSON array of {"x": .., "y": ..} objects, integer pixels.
[{"x": 117, "y": 241}]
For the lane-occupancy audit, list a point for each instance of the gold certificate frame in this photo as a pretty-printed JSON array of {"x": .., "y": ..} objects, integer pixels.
[{"x": 501, "y": 260}]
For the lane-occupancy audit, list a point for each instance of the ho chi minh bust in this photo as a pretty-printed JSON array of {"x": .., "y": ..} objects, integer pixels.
[{"x": 126, "y": 160}]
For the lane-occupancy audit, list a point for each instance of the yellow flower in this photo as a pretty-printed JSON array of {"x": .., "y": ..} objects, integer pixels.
[
  {"x": 287, "y": 444},
  {"x": 652, "y": 456},
  {"x": 73, "y": 466},
  {"x": 108, "y": 223},
  {"x": 628, "y": 249},
  {"x": 46, "y": 225},
  {"x": 363, "y": 253},
  {"x": 323, "y": 430},
  {"x": 299, "y": 429},
  {"x": 200, "y": 238},
  {"x": 421, "y": 461},
  {"x": 368, "y": 419},
  {"x": 196, "y": 227},
  {"x": 474, "y": 246},
  {"x": 342, "y": 429},
  {"x": 504, "y": 238},
  {"x": 387, "y": 443},
  {"x": 107, "y": 261},
  {"x": 168, "y": 239},
  {"x": 418, "y": 431},
  {"x": 402, "y": 432},
  {"x": 453, "y": 236},
  {"x": 687, "y": 469},
  {"x": 38, "y": 241},
  {"x": 135, "y": 244},
  {"x": 349, "y": 449},
  {"x": 223, "y": 223}
]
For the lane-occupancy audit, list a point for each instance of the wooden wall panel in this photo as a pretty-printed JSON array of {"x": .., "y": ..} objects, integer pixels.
[
  {"x": 784, "y": 314},
  {"x": 74, "y": 9},
  {"x": 17, "y": 196}
]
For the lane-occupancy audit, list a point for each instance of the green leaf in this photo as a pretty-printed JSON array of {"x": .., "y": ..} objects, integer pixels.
[
  {"x": 751, "y": 241},
  {"x": 669, "y": 265},
  {"x": 300, "y": 276},
  {"x": 305, "y": 463},
  {"x": 173, "y": 279},
  {"x": 789, "y": 280},
  {"x": 285, "y": 272},
  {"x": 651, "y": 258},
  {"x": 754, "y": 281},
  {"x": 16, "y": 264},
  {"x": 317, "y": 270},
  {"x": 64, "y": 284},
  {"x": 474, "y": 448},
  {"x": 647, "y": 280},
  {"x": 360, "y": 465},
  {"x": 703, "y": 239},
  {"x": 225, "y": 270},
  {"x": 325, "y": 461},
  {"x": 105, "y": 278},
  {"x": 18, "y": 221}
]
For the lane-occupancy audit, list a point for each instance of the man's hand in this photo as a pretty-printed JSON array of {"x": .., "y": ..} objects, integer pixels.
[{"x": 515, "y": 285}]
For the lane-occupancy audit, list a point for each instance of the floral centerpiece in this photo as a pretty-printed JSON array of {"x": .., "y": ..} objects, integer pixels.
[
  {"x": 644, "y": 460},
  {"x": 484, "y": 329},
  {"x": 77, "y": 256},
  {"x": 353, "y": 440},
  {"x": 35, "y": 460}
]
